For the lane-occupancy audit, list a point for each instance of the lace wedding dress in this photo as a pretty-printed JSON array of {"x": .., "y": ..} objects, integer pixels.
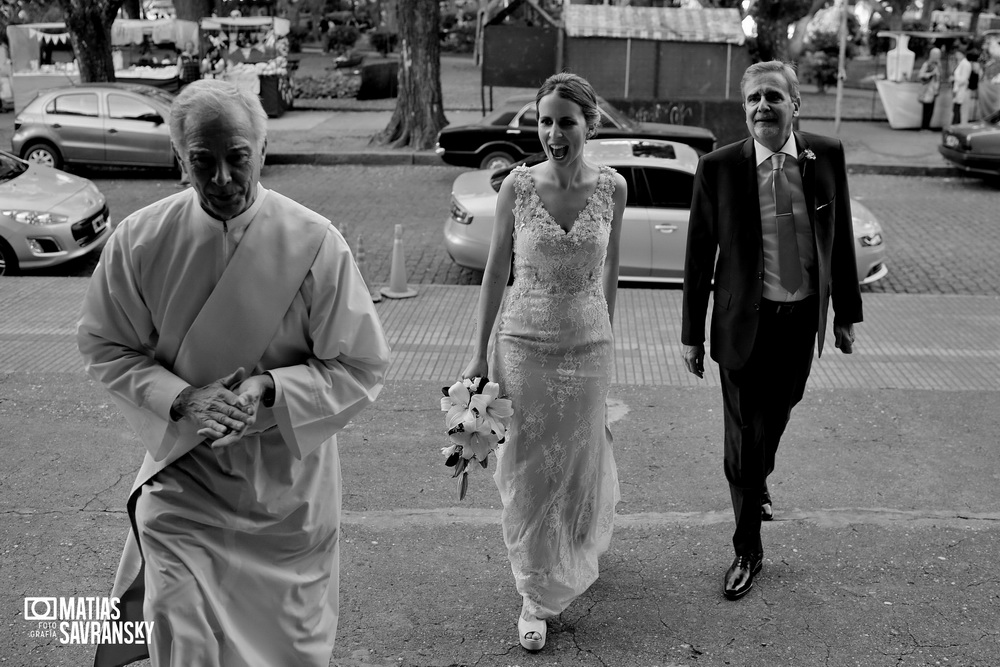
[{"x": 553, "y": 357}]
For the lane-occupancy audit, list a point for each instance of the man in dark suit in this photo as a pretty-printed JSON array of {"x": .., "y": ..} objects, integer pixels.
[{"x": 771, "y": 225}]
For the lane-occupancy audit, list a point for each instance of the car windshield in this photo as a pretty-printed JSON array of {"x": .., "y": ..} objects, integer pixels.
[
  {"x": 621, "y": 119},
  {"x": 10, "y": 167}
]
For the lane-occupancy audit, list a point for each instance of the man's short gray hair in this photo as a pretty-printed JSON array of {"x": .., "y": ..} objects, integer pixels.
[
  {"x": 207, "y": 95},
  {"x": 782, "y": 68}
]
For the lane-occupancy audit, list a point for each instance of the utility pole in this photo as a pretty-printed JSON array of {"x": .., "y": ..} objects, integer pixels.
[{"x": 841, "y": 64}]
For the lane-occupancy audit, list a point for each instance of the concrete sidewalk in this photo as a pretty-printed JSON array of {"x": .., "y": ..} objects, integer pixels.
[{"x": 882, "y": 550}]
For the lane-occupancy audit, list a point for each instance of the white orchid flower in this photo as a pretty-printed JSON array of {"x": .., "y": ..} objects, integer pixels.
[
  {"x": 458, "y": 394},
  {"x": 492, "y": 410},
  {"x": 480, "y": 445}
]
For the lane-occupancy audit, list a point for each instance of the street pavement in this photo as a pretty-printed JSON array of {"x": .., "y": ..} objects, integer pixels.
[{"x": 887, "y": 529}]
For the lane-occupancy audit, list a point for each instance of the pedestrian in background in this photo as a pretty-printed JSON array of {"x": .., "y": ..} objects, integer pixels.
[
  {"x": 975, "y": 75},
  {"x": 960, "y": 88},
  {"x": 930, "y": 78},
  {"x": 324, "y": 34},
  {"x": 771, "y": 239},
  {"x": 553, "y": 355},
  {"x": 234, "y": 330},
  {"x": 188, "y": 65}
]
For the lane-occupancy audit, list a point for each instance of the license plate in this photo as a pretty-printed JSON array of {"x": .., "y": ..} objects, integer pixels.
[{"x": 100, "y": 223}]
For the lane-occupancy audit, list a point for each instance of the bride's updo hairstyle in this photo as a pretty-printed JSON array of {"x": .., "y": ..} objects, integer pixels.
[{"x": 576, "y": 89}]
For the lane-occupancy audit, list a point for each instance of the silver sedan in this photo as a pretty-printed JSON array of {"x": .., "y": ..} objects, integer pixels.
[
  {"x": 660, "y": 177},
  {"x": 96, "y": 124}
]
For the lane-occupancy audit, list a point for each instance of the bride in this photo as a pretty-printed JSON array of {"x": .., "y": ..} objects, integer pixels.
[{"x": 552, "y": 354}]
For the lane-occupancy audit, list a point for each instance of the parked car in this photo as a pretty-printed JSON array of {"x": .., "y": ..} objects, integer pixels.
[
  {"x": 47, "y": 216},
  {"x": 974, "y": 147},
  {"x": 98, "y": 124},
  {"x": 510, "y": 134},
  {"x": 660, "y": 177}
]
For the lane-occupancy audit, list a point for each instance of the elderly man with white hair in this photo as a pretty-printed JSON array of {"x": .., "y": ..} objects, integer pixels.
[{"x": 232, "y": 327}]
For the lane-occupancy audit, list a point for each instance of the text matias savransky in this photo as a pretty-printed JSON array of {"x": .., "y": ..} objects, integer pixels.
[{"x": 84, "y": 620}]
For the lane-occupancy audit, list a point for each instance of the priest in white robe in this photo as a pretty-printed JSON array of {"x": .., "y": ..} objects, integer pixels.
[{"x": 234, "y": 330}]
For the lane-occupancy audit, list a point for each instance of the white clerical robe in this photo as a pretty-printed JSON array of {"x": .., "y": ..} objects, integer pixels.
[{"x": 239, "y": 545}]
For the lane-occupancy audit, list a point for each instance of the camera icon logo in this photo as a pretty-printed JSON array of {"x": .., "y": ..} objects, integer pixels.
[{"x": 40, "y": 609}]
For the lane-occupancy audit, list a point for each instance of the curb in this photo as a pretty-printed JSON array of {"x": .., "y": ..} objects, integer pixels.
[
  {"x": 368, "y": 158},
  {"x": 906, "y": 170}
]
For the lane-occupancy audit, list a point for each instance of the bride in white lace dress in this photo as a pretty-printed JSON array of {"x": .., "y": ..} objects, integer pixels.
[{"x": 553, "y": 355}]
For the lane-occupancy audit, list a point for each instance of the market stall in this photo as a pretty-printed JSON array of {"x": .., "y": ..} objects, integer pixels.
[
  {"x": 252, "y": 52},
  {"x": 144, "y": 52}
]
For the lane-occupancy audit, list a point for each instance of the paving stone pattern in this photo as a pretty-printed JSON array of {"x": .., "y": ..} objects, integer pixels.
[{"x": 941, "y": 233}]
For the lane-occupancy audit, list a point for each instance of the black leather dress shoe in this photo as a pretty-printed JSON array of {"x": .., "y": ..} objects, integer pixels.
[
  {"x": 766, "y": 510},
  {"x": 739, "y": 576}
]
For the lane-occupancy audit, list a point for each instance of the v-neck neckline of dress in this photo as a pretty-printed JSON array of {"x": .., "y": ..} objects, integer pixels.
[{"x": 587, "y": 204}]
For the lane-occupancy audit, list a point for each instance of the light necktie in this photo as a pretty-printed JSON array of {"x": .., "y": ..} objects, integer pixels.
[{"x": 789, "y": 267}]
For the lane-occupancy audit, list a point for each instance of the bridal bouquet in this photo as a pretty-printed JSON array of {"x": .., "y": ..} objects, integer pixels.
[{"x": 476, "y": 423}]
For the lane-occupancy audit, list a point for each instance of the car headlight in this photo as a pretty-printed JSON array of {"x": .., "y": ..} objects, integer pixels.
[
  {"x": 459, "y": 214},
  {"x": 871, "y": 240},
  {"x": 28, "y": 217},
  {"x": 951, "y": 141}
]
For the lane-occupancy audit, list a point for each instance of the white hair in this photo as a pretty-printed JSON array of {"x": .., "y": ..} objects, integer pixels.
[{"x": 221, "y": 97}]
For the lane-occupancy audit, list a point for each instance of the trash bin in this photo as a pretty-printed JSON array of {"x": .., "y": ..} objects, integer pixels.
[{"x": 379, "y": 80}]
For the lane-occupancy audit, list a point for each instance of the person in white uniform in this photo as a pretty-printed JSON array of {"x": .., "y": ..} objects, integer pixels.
[{"x": 234, "y": 330}]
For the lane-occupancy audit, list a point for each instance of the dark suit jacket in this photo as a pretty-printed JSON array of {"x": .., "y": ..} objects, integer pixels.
[{"x": 725, "y": 223}]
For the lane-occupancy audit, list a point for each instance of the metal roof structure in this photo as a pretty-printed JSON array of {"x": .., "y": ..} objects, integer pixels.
[{"x": 709, "y": 25}]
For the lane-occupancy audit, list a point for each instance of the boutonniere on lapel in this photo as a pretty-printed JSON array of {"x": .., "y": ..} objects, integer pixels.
[{"x": 805, "y": 157}]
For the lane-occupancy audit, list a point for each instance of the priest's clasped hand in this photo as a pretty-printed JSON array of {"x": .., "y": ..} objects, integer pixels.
[
  {"x": 225, "y": 408},
  {"x": 250, "y": 393}
]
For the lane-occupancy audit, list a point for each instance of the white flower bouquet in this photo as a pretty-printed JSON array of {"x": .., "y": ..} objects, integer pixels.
[{"x": 476, "y": 422}]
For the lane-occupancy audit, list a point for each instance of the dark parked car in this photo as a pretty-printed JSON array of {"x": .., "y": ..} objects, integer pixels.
[
  {"x": 102, "y": 123},
  {"x": 510, "y": 134},
  {"x": 974, "y": 147}
]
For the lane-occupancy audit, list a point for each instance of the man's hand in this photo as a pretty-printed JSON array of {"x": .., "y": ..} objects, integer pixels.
[
  {"x": 249, "y": 394},
  {"x": 694, "y": 359},
  {"x": 843, "y": 337},
  {"x": 214, "y": 407}
]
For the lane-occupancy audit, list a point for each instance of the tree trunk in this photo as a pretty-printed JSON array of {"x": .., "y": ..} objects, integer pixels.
[
  {"x": 192, "y": 10},
  {"x": 925, "y": 15},
  {"x": 89, "y": 25},
  {"x": 895, "y": 17},
  {"x": 419, "y": 113},
  {"x": 797, "y": 43},
  {"x": 772, "y": 40},
  {"x": 132, "y": 9}
]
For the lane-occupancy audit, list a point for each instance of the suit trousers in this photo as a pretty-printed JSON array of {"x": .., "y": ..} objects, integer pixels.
[{"x": 758, "y": 400}]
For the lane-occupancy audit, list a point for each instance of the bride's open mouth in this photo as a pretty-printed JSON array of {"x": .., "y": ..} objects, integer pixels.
[{"x": 558, "y": 152}]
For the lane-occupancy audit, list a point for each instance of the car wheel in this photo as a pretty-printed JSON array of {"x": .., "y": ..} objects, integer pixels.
[
  {"x": 8, "y": 260},
  {"x": 496, "y": 160},
  {"x": 44, "y": 154}
]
